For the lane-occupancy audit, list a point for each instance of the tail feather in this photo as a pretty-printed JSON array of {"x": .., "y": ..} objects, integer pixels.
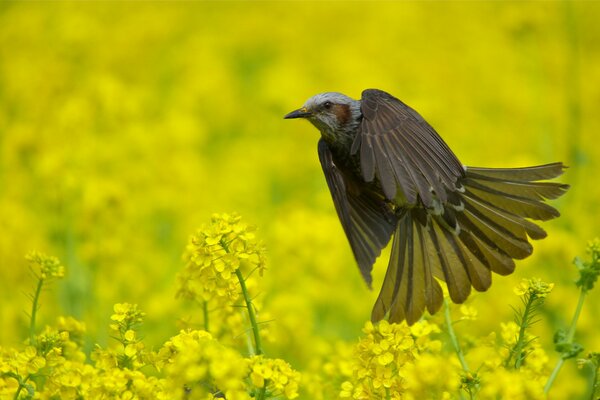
[
  {"x": 482, "y": 229},
  {"x": 527, "y": 190},
  {"x": 494, "y": 236},
  {"x": 433, "y": 291},
  {"x": 452, "y": 265},
  {"x": 516, "y": 205},
  {"x": 478, "y": 272},
  {"x": 515, "y": 224},
  {"x": 527, "y": 174},
  {"x": 393, "y": 283},
  {"x": 496, "y": 261}
]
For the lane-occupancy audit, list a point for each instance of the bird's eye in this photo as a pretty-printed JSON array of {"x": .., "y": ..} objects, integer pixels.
[{"x": 327, "y": 105}]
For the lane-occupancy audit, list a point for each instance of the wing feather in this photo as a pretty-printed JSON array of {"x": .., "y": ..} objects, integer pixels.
[
  {"x": 368, "y": 221},
  {"x": 405, "y": 143}
]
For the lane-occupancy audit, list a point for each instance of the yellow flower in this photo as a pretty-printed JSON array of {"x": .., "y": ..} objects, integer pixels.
[
  {"x": 509, "y": 333},
  {"x": 213, "y": 255},
  {"x": 129, "y": 335},
  {"x": 47, "y": 266},
  {"x": 468, "y": 313},
  {"x": 277, "y": 374},
  {"x": 380, "y": 357},
  {"x": 533, "y": 286},
  {"x": 194, "y": 362},
  {"x": 385, "y": 358},
  {"x": 126, "y": 316}
]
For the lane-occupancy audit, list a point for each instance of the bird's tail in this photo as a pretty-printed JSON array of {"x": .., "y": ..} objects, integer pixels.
[{"x": 481, "y": 229}]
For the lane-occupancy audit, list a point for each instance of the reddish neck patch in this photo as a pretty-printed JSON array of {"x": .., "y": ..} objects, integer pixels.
[{"x": 342, "y": 112}]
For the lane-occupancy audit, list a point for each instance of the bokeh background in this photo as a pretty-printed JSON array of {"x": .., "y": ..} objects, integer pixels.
[{"x": 125, "y": 125}]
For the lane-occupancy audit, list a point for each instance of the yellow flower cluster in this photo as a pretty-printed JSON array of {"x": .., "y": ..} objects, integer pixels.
[
  {"x": 501, "y": 381},
  {"x": 126, "y": 317},
  {"x": 533, "y": 287},
  {"x": 276, "y": 374},
  {"x": 55, "y": 363},
  {"x": 394, "y": 361},
  {"x": 46, "y": 266},
  {"x": 214, "y": 254},
  {"x": 197, "y": 364},
  {"x": 390, "y": 361},
  {"x": 496, "y": 377},
  {"x": 216, "y": 258},
  {"x": 379, "y": 358},
  {"x": 190, "y": 365}
]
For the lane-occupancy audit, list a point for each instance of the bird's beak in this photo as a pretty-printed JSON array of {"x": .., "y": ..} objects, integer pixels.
[{"x": 299, "y": 113}]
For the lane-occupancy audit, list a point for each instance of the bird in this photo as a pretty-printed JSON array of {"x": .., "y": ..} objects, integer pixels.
[{"x": 393, "y": 179}]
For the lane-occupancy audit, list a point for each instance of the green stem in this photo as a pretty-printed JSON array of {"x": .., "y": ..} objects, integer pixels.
[
  {"x": 594, "y": 383},
  {"x": 34, "y": 309},
  {"x": 570, "y": 336},
  {"x": 18, "y": 392},
  {"x": 22, "y": 384},
  {"x": 205, "y": 311},
  {"x": 571, "y": 333},
  {"x": 257, "y": 343},
  {"x": 453, "y": 338},
  {"x": 456, "y": 346},
  {"x": 553, "y": 375},
  {"x": 262, "y": 393},
  {"x": 518, "y": 349}
]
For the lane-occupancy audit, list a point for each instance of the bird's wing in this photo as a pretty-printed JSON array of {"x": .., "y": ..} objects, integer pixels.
[
  {"x": 465, "y": 244},
  {"x": 366, "y": 218},
  {"x": 396, "y": 145}
]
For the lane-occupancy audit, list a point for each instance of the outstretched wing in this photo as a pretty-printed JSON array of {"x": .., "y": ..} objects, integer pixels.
[
  {"x": 366, "y": 218},
  {"x": 396, "y": 145},
  {"x": 490, "y": 230}
]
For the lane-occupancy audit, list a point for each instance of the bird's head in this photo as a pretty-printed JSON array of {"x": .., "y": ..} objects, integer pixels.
[{"x": 332, "y": 113}]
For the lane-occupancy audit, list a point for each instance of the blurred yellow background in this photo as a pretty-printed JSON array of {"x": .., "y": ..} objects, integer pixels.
[{"x": 125, "y": 125}]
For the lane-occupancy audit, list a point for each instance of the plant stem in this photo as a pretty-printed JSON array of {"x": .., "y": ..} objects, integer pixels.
[
  {"x": 571, "y": 333},
  {"x": 453, "y": 338},
  {"x": 594, "y": 382},
  {"x": 34, "y": 309},
  {"x": 22, "y": 384},
  {"x": 570, "y": 336},
  {"x": 205, "y": 311},
  {"x": 457, "y": 348},
  {"x": 553, "y": 376},
  {"x": 518, "y": 349},
  {"x": 263, "y": 391},
  {"x": 18, "y": 392},
  {"x": 257, "y": 343}
]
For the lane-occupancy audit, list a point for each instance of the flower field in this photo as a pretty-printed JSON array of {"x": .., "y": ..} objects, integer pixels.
[{"x": 164, "y": 233}]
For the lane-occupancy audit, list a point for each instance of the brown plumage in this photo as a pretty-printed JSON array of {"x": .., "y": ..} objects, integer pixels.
[{"x": 391, "y": 175}]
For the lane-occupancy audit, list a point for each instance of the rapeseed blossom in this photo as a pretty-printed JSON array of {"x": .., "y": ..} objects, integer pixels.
[
  {"x": 126, "y": 317},
  {"x": 213, "y": 255},
  {"x": 196, "y": 363},
  {"x": 216, "y": 258},
  {"x": 379, "y": 359},
  {"x": 533, "y": 287},
  {"x": 46, "y": 266},
  {"x": 390, "y": 361},
  {"x": 277, "y": 375}
]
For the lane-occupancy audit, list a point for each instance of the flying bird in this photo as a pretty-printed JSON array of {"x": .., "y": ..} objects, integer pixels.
[{"x": 393, "y": 178}]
